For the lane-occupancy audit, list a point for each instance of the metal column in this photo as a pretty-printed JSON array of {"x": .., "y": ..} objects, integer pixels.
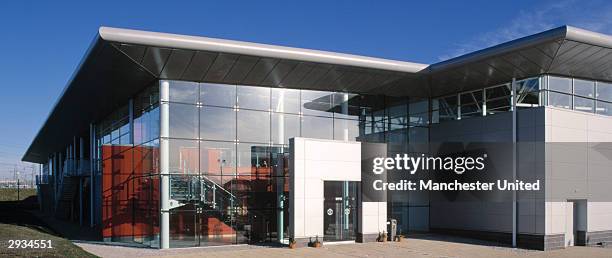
[
  {"x": 81, "y": 158},
  {"x": 92, "y": 151},
  {"x": 164, "y": 166}
]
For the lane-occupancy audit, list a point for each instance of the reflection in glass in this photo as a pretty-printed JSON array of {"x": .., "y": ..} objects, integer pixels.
[
  {"x": 253, "y": 160},
  {"x": 218, "y": 94},
  {"x": 584, "y": 88},
  {"x": 183, "y": 156},
  {"x": 417, "y": 106},
  {"x": 584, "y": 104},
  {"x": 317, "y": 127},
  {"x": 253, "y": 126},
  {"x": 217, "y": 158},
  {"x": 560, "y": 100},
  {"x": 285, "y": 100},
  {"x": 560, "y": 84},
  {"x": 346, "y": 105},
  {"x": 604, "y": 108},
  {"x": 257, "y": 98},
  {"x": 604, "y": 91},
  {"x": 183, "y": 121},
  {"x": 284, "y": 127},
  {"x": 184, "y": 92},
  {"x": 217, "y": 123},
  {"x": 316, "y": 103},
  {"x": 346, "y": 129}
]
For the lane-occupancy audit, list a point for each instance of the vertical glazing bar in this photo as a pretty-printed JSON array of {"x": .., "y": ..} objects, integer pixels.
[
  {"x": 345, "y": 111},
  {"x": 164, "y": 166},
  {"x": 131, "y": 119},
  {"x": 458, "y": 106},
  {"x": 514, "y": 132},
  {"x": 484, "y": 102}
]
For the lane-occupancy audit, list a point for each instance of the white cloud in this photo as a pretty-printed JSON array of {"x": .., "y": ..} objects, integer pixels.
[{"x": 593, "y": 16}]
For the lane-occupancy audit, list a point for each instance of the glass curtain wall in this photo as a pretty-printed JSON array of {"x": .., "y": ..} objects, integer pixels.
[
  {"x": 229, "y": 144},
  {"x": 127, "y": 159}
]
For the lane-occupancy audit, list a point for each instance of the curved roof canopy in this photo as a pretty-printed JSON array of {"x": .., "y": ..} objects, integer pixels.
[{"x": 121, "y": 62}]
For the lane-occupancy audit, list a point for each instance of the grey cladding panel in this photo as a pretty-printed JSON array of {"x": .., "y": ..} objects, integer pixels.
[
  {"x": 279, "y": 72},
  {"x": 314, "y": 75},
  {"x": 260, "y": 71},
  {"x": 199, "y": 65},
  {"x": 241, "y": 68},
  {"x": 296, "y": 75},
  {"x": 177, "y": 63},
  {"x": 135, "y": 52},
  {"x": 220, "y": 67},
  {"x": 155, "y": 58}
]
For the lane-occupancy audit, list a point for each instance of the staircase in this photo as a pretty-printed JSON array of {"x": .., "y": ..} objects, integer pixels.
[{"x": 68, "y": 192}]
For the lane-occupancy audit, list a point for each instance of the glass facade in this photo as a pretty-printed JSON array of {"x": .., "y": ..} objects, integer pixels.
[
  {"x": 228, "y": 151},
  {"x": 127, "y": 165}
]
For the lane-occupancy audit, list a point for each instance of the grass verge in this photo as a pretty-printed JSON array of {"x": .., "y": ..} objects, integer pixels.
[{"x": 10, "y": 194}]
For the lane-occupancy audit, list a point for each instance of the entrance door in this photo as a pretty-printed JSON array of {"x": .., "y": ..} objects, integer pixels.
[{"x": 340, "y": 210}]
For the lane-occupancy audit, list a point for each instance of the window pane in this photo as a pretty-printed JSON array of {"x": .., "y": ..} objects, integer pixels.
[
  {"x": 560, "y": 100},
  {"x": 498, "y": 105},
  {"x": 346, "y": 105},
  {"x": 184, "y": 92},
  {"x": 316, "y": 103},
  {"x": 528, "y": 99},
  {"x": 584, "y": 104},
  {"x": 584, "y": 88},
  {"x": 253, "y": 126},
  {"x": 217, "y": 158},
  {"x": 604, "y": 108},
  {"x": 560, "y": 84},
  {"x": 397, "y": 114},
  {"x": 317, "y": 127},
  {"x": 528, "y": 85},
  {"x": 418, "y": 106},
  {"x": 217, "y": 123},
  {"x": 285, "y": 100},
  {"x": 183, "y": 121},
  {"x": 418, "y": 134},
  {"x": 183, "y": 156},
  {"x": 419, "y": 119},
  {"x": 253, "y": 160},
  {"x": 253, "y": 98},
  {"x": 218, "y": 94},
  {"x": 604, "y": 91},
  {"x": 497, "y": 92},
  {"x": 284, "y": 127},
  {"x": 346, "y": 129}
]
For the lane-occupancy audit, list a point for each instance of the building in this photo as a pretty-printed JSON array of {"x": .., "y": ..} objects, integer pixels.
[{"x": 168, "y": 140}]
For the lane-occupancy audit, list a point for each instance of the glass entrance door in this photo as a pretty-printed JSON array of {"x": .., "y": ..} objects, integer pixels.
[{"x": 340, "y": 210}]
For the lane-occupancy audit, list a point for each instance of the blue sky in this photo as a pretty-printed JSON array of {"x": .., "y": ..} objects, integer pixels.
[{"x": 43, "y": 41}]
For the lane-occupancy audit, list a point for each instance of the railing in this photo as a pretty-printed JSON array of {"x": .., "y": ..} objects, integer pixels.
[
  {"x": 76, "y": 167},
  {"x": 43, "y": 179},
  {"x": 201, "y": 189}
]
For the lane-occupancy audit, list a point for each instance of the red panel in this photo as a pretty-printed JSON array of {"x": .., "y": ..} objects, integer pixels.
[{"x": 130, "y": 200}]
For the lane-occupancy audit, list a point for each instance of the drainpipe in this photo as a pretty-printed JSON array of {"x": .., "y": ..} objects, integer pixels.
[
  {"x": 514, "y": 131},
  {"x": 164, "y": 166}
]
